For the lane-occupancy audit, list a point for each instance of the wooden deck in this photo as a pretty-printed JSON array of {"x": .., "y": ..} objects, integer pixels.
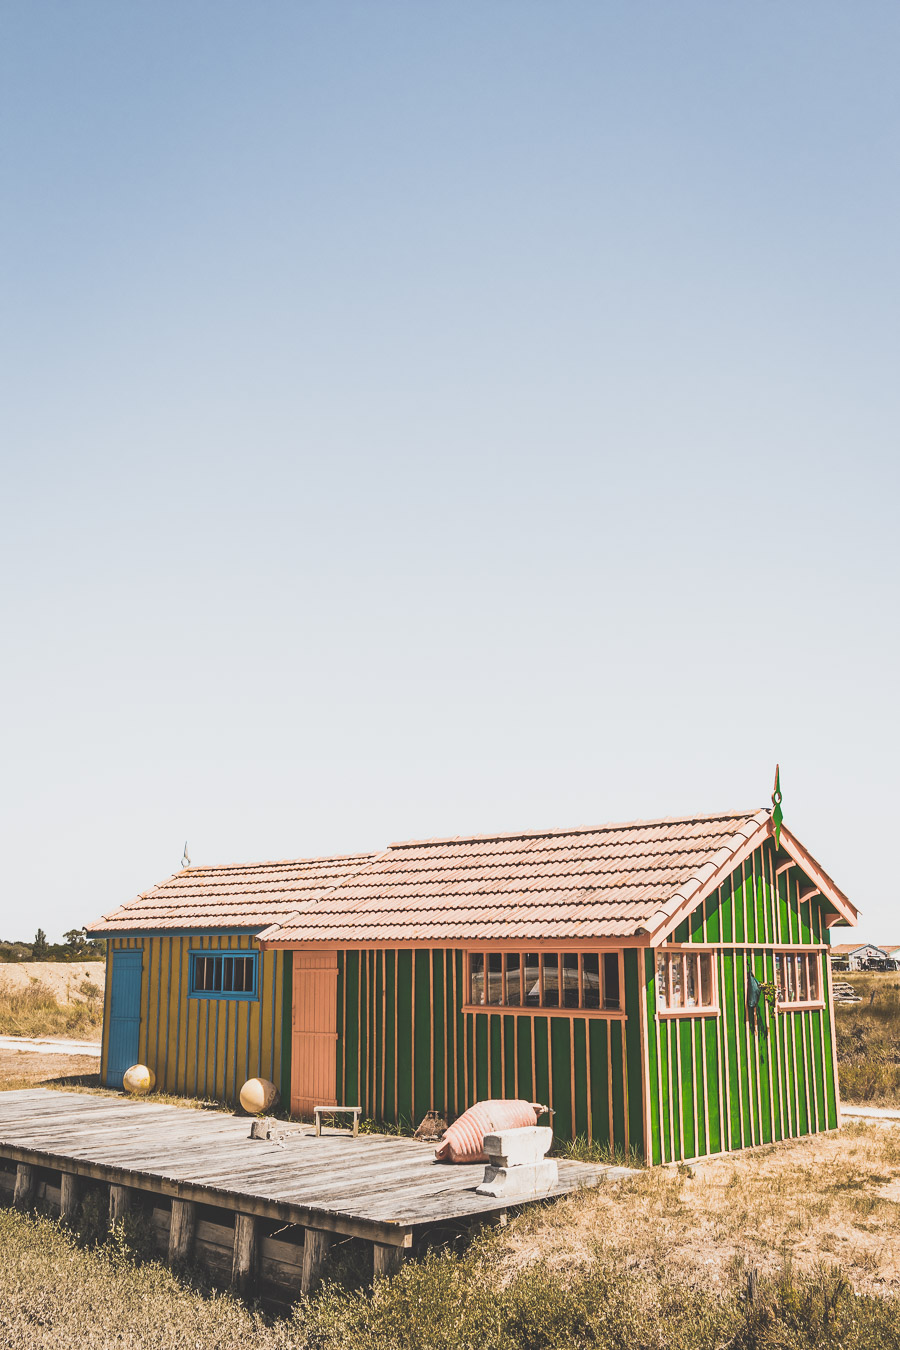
[{"x": 384, "y": 1189}]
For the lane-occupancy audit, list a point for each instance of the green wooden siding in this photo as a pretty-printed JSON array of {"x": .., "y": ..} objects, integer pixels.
[
  {"x": 730, "y": 1080},
  {"x": 405, "y": 1046},
  {"x": 207, "y": 1048}
]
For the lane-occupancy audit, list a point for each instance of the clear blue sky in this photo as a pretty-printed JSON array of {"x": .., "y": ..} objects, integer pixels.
[{"x": 424, "y": 419}]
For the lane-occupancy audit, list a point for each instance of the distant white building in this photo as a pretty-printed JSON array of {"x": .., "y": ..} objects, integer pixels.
[{"x": 861, "y": 957}]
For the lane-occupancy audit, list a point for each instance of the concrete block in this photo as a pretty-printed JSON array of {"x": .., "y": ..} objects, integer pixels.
[
  {"x": 513, "y": 1148},
  {"x": 521, "y": 1181}
]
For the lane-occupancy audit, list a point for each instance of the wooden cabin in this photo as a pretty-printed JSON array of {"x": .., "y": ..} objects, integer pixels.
[{"x": 609, "y": 971}]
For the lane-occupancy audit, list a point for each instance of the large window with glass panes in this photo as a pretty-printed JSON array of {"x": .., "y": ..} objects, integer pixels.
[{"x": 587, "y": 981}]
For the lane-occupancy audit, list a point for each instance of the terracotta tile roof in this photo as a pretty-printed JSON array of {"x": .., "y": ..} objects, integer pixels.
[
  {"x": 245, "y": 895},
  {"x": 605, "y": 881}
]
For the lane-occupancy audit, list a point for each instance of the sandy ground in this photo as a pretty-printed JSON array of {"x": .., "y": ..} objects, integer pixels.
[
  {"x": 62, "y": 977},
  {"x": 25, "y": 1068}
]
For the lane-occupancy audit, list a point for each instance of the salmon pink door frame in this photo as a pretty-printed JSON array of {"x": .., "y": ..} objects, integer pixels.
[{"x": 314, "y": 1031}]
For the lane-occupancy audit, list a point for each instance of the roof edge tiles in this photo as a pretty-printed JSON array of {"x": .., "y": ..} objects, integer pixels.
[
  {"x": 558, "y": 831},
  {"x": 690, "y": 893},
  {"x": 193, "y": 870},
  {"x": 192, "y": 911}
]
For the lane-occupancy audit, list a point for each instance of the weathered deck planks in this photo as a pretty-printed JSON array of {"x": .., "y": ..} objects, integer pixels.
[{"x": 383, "y": 1188}]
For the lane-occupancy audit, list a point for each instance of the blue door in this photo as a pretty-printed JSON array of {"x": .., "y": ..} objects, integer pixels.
[{"x": 124, "y": 1015}]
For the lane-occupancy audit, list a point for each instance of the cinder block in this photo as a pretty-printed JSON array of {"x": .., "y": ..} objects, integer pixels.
[
  {"x": 513, "y": 1148},
  {"x": 526, "y": 1179}
]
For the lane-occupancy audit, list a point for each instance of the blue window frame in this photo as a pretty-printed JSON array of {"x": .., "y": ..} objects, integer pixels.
[{"x": 216, "y": 974}]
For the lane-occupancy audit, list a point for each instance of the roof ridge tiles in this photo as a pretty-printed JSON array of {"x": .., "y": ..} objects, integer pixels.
[
  {"x": 270, "y": 862},
  {"x": 556, "y": 832}
]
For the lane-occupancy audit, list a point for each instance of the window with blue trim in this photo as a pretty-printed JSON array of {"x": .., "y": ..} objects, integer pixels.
[{"x": 224, "y": 974}]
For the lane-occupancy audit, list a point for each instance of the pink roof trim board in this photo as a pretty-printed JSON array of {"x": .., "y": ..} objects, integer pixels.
[{"x": 632, "y": 880}]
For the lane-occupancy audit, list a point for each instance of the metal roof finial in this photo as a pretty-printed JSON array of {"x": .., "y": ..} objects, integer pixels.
[
  {"x": 186, "y": 857},
  {"x": 777, "y": 813}
]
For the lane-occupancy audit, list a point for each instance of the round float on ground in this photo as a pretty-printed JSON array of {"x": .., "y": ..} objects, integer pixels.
[
  {"x": 139, "y": 1080},
  {"x": 258, "y": 1095}
]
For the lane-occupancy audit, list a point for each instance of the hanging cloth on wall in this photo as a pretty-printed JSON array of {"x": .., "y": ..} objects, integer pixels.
[{"x": 754, "y": 989}]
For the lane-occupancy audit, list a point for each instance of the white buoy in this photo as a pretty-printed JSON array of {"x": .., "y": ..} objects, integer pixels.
[
  {"x": 258, "y": 1095},
  {"x": 139, "y": 1080}
]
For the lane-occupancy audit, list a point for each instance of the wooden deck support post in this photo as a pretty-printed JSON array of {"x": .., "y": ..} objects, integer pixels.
[
  {"x": 181, "y": 1229},
  {"x": 243, "y": 1264},
  {"x": 315, "y": 1251},
  {"x": 69, "y": 1195},
  {"x": 26, "y": 1185},
  {"x": 119, "y": 1202},
  {"x": 386, "y": 1260}
]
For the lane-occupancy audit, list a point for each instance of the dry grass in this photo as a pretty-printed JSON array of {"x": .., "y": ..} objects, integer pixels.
[
  {"x": 868, "y": 1041},
  {"x": 56, "y": 1294},
  {"x": 829, "y": 1199},
  {"x": 35, "y": 1011}
]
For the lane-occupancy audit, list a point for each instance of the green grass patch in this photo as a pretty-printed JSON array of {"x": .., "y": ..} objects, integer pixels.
[{"x": 582, "y": 1149}]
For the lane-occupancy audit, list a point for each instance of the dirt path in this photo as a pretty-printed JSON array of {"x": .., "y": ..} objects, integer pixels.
[
  {"x": 50, "y": 1045},
  {"x": 28, "y": 1068}
]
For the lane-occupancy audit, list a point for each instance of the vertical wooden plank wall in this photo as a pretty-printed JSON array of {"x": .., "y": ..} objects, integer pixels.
[
  {"x": 405, "y": 1046},
  {"x": 199, "y": 1047},
  {"x": 728, "y": 1081}
]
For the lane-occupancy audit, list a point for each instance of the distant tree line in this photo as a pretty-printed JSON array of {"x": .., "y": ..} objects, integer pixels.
[{"x": 76, "y": 946}]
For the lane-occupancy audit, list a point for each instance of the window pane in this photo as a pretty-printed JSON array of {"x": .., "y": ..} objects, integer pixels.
[
  {"x": 814, "y": 977},
  {"x": 676, "y": 982},
  {"x": 216, "y": 985},
  {"x": 513, "y": 981},
  {"x": 550, "y": 964},
  {"x": 611, "y": 994},
  {"x": 590, "y": 980},
  {"x": 476, "y": 978},
  {"x": 779, "y": 976},
  {"x": 802, "y": 978},
  {"x": 690, "y": 981},
  {"x": 532, "y": 980},
  {"x": 227, "y": 974},
  {"x": 662, "y": 982},
  {"x": 495, "y": 978},
  {"x": 706, "y": 992},
  {"x": 789, "y": 978},
  {"x": 570, "y": 980}
]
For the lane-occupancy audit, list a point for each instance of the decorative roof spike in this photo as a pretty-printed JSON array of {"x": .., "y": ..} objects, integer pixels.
[
  {"x": 186, "y": 857},
  {"x": 777, "y": 813}
]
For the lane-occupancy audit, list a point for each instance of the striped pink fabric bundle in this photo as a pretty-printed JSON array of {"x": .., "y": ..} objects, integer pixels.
[{"x": 463, "y": 1142}]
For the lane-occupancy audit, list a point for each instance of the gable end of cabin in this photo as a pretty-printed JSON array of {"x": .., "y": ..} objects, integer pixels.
[{"x": 720, "y": 1074}]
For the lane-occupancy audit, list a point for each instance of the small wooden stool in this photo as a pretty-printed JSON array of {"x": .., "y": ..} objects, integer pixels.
[{"x": 320, "y": 1111}]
